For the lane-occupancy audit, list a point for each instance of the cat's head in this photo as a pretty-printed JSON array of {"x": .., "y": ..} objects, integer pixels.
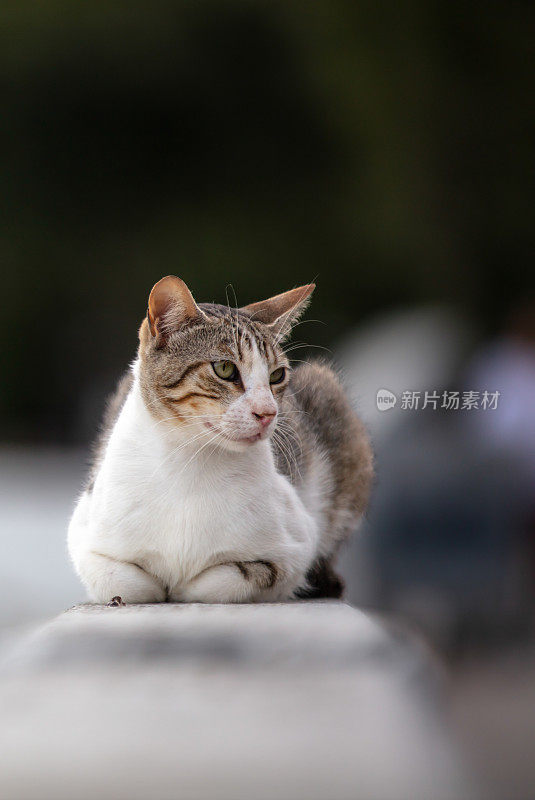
[{"x": 215, "y": 372}]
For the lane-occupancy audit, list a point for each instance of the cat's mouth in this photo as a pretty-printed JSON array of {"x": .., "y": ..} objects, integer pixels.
[
  {"x": 256, "y": 437},
  {"x": 252, "y": 439}
]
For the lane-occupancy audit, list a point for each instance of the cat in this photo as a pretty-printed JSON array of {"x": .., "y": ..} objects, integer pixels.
[{"x": 221, "y": 476}]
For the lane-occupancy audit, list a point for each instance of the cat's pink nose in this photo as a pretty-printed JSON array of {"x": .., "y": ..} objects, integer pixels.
[{"x": 264, "y": 418}]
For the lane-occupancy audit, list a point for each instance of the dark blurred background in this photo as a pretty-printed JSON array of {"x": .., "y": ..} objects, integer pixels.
[{"x": 385, "y": 150}]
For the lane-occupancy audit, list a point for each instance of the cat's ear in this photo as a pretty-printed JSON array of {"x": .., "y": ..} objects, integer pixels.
[
  {"x": 170, "y": 306},
  {"x": 282, "y": 311}
]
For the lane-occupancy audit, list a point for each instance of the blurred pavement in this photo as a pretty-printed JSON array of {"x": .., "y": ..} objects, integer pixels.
[{"x": 38, "y": 488}]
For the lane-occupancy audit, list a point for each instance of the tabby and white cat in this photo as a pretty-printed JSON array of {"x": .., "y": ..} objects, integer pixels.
[{"x": 221, "y": 475}]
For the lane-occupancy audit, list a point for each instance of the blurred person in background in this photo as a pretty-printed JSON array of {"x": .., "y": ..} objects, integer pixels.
[{"x": 449, "y": 536}]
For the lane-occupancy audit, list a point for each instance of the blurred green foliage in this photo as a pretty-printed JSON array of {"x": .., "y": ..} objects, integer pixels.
[{"x": 386, "y": 148}]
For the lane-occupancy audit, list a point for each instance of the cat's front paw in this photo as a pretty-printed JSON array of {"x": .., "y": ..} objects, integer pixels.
[
  {"x": 229, "y": 582},
  {"x": 262, "y": 573}
]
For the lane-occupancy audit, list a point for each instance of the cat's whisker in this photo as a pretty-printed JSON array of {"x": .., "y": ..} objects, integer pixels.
[
  {"x": 297, "y": 392},
  {"x": 305, "y": 321},
  {"x": 289, "y": 430},
  {"x": 217, "y": 435},
  {"x": 287, "y": 453},
  {"x": 303, "y": 345},
  {"x": 177, "y": 449},
  {"x": 279, "y": 438},
  {"x": 290, "y": 414},
  {"x": 278, "y": 442}
]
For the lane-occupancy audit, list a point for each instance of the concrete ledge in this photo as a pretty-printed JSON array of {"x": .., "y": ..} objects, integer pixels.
[
  {"x": 301, "y": 701},
  {"x": 321, "y": 633}
]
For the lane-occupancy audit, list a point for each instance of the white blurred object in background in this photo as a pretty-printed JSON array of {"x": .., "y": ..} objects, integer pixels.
[{"x": 409, "y": 350}]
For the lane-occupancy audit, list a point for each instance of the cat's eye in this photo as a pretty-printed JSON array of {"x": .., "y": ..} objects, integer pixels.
[
  {"x": 277, "y": 376},
  {"x": 225, "y": 370}
]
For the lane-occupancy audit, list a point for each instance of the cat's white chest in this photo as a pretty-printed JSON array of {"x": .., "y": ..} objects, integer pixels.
[{"x": 175, "y": 518}]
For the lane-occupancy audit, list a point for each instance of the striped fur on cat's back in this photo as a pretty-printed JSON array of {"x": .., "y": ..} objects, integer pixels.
[{"x": 221, "y": 474}]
